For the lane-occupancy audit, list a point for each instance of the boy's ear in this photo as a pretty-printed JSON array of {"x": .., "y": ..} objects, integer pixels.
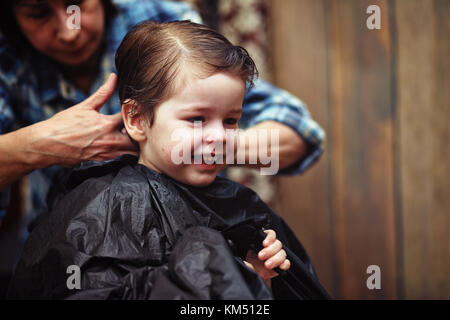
[{"x": 133, "y": 121}]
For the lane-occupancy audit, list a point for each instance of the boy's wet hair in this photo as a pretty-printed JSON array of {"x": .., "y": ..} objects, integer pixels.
[{"x": 154, "y": 58}]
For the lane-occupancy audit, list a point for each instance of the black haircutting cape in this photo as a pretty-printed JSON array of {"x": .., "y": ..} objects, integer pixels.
[{"x": 138, "y": 234}]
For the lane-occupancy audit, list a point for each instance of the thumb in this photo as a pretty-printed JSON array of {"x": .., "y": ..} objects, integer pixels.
[{"x": 99, "y": 98}]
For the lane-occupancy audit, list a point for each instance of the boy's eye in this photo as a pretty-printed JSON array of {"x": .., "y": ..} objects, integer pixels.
[
  {"x": 198, "y": 118},
  {"x": 74, "y": 2},
  {"x": 231, "y": 121},
  {"x": 39, "y": 14}
]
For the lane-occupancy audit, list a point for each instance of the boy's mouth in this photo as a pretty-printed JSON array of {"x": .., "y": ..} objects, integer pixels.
[{"x": 208, "y": 159}]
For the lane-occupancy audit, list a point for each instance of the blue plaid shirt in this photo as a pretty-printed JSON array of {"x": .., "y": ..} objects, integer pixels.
[{"x": 32, "y": 90}]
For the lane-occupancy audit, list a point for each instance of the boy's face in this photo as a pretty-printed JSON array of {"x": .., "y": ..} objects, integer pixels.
[{"x": 195, "y": 119}]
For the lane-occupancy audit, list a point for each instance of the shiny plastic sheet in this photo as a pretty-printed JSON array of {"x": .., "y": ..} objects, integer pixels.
[{"x": 138, "y": 234}]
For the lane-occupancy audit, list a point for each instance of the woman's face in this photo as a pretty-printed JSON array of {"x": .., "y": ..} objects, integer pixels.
[
  {"x": 45, "y": 24},
  {"x": 197, "y": 122}
]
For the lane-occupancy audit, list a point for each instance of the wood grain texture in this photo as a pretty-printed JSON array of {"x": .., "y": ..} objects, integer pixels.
[
  {"x": 361, "y": 140},
  {"x": 298, "y": 39},
  {"x": 323, "y": 53},
  {"x": 379, "y": 194},
  {"x": 423, "y": 117}
]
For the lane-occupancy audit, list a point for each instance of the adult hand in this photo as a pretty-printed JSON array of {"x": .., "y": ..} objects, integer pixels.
[{"x": 82, "y": 133}]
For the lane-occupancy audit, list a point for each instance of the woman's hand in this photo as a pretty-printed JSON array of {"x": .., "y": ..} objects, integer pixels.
[
  {"x": 270, "y": 257},
  {"x": 71, "y": 136},
  {"x": 81, "y": 133}
]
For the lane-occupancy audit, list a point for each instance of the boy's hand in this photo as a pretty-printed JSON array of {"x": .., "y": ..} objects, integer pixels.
[{"x": 270, "y": 257}]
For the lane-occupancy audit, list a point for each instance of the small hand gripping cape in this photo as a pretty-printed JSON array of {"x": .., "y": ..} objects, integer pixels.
[{"x": 138, "y": 234}]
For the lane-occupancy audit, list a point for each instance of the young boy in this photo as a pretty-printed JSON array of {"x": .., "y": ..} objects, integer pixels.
[
  {"x": 188, "y": 74},
  {"x": 148, "y": 229}
]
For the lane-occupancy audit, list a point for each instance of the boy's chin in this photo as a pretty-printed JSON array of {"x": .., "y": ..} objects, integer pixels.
[{"x": 200, "y": 179}]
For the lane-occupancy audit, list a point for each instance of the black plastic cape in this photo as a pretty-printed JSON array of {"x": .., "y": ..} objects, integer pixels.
[{"x": 138, "y": 234}]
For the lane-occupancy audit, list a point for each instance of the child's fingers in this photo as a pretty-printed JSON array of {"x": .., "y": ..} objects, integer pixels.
[
  {"x": 271, "y": 250},
  {"x": 248, "y": 264},
  {"x": 276, "y": 260},
  {"x": 285, "y": 265},
  {"x": 270, "y": 238}
]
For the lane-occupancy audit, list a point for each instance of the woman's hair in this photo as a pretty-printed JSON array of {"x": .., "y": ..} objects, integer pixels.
[
  {"x": 153, "y": 55},
  {"x": 13, "y": 34}
]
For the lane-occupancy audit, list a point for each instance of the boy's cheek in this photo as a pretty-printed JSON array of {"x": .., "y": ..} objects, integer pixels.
[{"x": 167, "y": 155}]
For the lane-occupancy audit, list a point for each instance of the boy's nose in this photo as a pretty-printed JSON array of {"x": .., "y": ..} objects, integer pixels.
[{"x": 215, "y": 134}]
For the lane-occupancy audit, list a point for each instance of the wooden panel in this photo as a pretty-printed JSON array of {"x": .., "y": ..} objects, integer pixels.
[
  {"x": 381, "y": 189},
  {"x": 298, "y": 43},
  {"x": 360, "y": 139},
  {"x": 440, "y": 150},
  {"x": 423, "y": 116}
]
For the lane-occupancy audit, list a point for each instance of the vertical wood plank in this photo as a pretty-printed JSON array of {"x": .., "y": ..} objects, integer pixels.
[
  {"x": 423, "y": 116},
  {"x": 360, "y": 139},
  {"x": 298, "y": 46},
  {"x": 440, "y": 149}
]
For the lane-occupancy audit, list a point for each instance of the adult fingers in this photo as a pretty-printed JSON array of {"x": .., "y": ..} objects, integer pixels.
[
  {"x": 119, "y": 140},
  {"x": 114, "y": 154},
  {"x": 116, "y": 118},
  {"x": 99, "y": 98}
]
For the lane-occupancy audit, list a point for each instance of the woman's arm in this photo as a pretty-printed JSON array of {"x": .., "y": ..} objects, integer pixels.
[
  {"x": 300, "y": 137},
  {"x": 13, "y": 161},
  {"x": 76, "y": 134},
  {"x": 289, "y": 148}
]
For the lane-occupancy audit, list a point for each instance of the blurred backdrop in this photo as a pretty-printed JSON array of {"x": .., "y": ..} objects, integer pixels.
[{"x": 380, "y": 195}]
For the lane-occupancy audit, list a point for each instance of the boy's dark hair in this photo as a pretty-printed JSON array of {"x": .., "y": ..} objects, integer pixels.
[
  {"x": 152, "y": 55},
  {"x": 13, "y": 34}
]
